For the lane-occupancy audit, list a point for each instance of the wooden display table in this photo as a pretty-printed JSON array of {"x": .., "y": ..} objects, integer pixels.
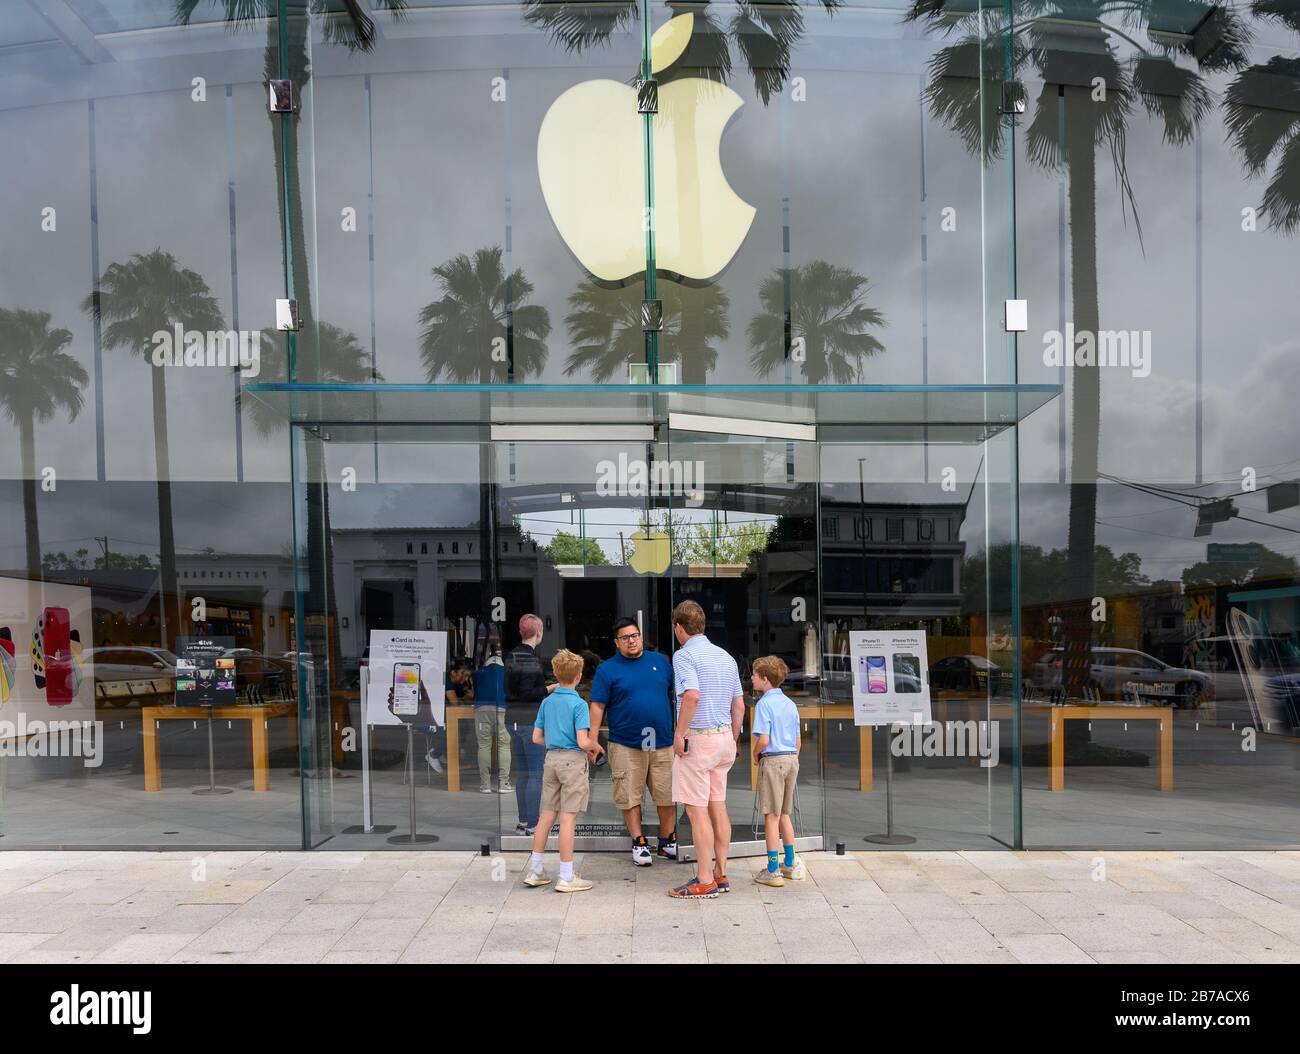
[
  {"x": 453, "y": 717},
  {"x": 256, "y": 716},
  {"x": 828, "y": 712},
  {"x": 1163, "y": 714}
]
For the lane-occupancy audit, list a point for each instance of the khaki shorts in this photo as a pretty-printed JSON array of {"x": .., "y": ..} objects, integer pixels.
[
  {"x": 632, "y": 770},
  {"x": 776, "y": 779},
  {"x": 564, "y": 781}
]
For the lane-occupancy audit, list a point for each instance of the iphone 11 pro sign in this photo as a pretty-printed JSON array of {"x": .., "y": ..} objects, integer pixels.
[{"x": 890, "y": 677}]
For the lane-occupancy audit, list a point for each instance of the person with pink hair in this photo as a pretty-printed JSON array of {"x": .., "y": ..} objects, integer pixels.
[{"x": 526, "y": 689}]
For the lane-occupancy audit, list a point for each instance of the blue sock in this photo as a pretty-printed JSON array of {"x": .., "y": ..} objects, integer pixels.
[
  {"x": 772, "y": 857},
  {"x": 789, "y": 856}
]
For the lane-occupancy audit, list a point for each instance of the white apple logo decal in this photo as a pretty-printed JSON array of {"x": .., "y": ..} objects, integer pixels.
[{"x": 590, "y": 162}]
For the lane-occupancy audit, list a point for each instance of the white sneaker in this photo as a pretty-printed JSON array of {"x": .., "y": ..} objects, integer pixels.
[
  {"x": 434, "y": 763},
  {"x": 537, "y": 878},
  {"x": 641, "y": 855},
  {"x": 577, "y": 884},
  {"x": 504, "y": 786},
  {"x": 797, "y": 871},
  {"x": 485, "y": 788}
]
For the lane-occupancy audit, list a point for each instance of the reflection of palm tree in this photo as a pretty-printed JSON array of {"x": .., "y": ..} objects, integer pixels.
[
  {"x": 1259, "y": 130},
  {"x": 147, "y": 294},
  {"x": 481, "y": 329},
  {"x": 348, "y": 26},
  {"x": 342, "y": 361},
  {"x": 764, "y": 34},
  {"x": 1068, "y": 129},
  {"x": 605, "y": 328},
  {"x": 826, "y": 311},
  {"x": 37, "y": 380}
]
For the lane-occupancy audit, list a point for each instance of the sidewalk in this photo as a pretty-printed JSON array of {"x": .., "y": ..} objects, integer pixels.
[{"x": 455, "y": 907}]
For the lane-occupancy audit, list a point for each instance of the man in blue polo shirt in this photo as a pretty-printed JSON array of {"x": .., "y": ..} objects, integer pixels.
[{"x": 633, "y": 688}]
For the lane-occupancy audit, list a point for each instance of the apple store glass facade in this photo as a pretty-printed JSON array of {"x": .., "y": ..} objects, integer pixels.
[{"x": 324, "y": 321}]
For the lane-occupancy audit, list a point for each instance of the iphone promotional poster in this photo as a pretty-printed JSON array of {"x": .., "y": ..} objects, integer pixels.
[
  {"x": 891, "y": 680},
  {"x": 404, "y": 682}
]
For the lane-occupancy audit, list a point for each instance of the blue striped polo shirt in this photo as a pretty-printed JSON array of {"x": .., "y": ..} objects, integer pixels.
[{"x": 701, "y": 665}]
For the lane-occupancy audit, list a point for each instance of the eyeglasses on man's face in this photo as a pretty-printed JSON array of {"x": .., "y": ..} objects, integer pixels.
[{"x": 627, "y": 638}]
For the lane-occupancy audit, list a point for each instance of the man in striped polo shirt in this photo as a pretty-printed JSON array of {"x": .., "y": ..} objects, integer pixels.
[{"x": 710, "y": 708}]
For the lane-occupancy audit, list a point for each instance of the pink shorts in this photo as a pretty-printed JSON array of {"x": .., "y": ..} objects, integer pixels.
[{"x": 701, "y": 776}]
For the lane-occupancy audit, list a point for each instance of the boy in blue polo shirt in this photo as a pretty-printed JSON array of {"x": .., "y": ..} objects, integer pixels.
[
  {"x": 776, "y": 754},
  {"x": 562, "y": 727}
]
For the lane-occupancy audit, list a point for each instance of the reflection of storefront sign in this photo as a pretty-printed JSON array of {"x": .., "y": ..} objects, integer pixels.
[
  {"x": 205, "y": 673},
  {"x": 468, "y": 549},
  {"x": 890, "y": 677}
]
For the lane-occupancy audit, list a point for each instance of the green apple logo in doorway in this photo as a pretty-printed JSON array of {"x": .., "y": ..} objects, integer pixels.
[{"x": 590, "y": 162}]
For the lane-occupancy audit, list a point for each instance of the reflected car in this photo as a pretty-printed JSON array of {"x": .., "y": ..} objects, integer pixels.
[
  {"x": 1126, "y": 673},
  {"x": 126, "y": 672},
  {"x": 968, "y": 673}
]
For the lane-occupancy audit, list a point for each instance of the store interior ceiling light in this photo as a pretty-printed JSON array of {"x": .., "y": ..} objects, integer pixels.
[
  {"x": 573, "y": 433},
  {"x": 742, "y": 426}
]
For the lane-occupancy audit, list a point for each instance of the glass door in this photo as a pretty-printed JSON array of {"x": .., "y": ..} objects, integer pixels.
[
  {"x": 918, "y": 550},
  {"x": 742, "y": 531}
]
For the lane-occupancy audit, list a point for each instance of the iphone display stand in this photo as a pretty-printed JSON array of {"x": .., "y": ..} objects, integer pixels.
[
  {"x": 212, "y": 787},
  {"x": 889, "y": 837},
  {"x": 412, "y": 838}
]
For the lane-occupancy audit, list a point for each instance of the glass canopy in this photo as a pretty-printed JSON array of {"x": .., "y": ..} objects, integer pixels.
[{"x": 629, "y": 411}]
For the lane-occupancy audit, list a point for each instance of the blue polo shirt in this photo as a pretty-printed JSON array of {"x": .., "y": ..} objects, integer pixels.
[
  {"x": 776, "y": 717},
  {"x": 490, "y": 686},
  {"x": 560, "y": 716},
  {"x": 635, "y": 693}
]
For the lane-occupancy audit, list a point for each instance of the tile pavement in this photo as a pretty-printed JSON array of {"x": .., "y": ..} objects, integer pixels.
[{"x": 456, "y": 907}]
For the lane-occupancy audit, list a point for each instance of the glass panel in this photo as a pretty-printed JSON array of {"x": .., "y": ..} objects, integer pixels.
[
  {"x": 744, "y": 547},
  {"x": 448, "y": 203},
  {"x": 409, "y": 539},
  {"x": 907, "y": 532},
  {"x": 1158, "y": 569},
  {"x": 146, "y": 503}
]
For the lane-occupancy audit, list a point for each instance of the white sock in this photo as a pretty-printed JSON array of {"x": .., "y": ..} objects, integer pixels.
[
  {"x": 535, "y": 863},
  {"x": 566, "y": 870}
]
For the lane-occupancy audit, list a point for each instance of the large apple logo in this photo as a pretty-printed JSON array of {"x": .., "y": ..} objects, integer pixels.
[
  {"x": 651, "y": 553},
  {"x": 590, "y": 159}
]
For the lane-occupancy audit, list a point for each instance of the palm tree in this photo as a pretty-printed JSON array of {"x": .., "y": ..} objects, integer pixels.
[
  {"x": 1070, "y": 127},
  {"x": 827, "y": 310},
  {"x": 481, "y": 329},
  {"x": 37, "y": 380},
  {"x": 1261, "y": 132},
  {"x": 145, "y": 295},
  {"x": 763, "y": 34},
  {"x": 605, "y": 328}
]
